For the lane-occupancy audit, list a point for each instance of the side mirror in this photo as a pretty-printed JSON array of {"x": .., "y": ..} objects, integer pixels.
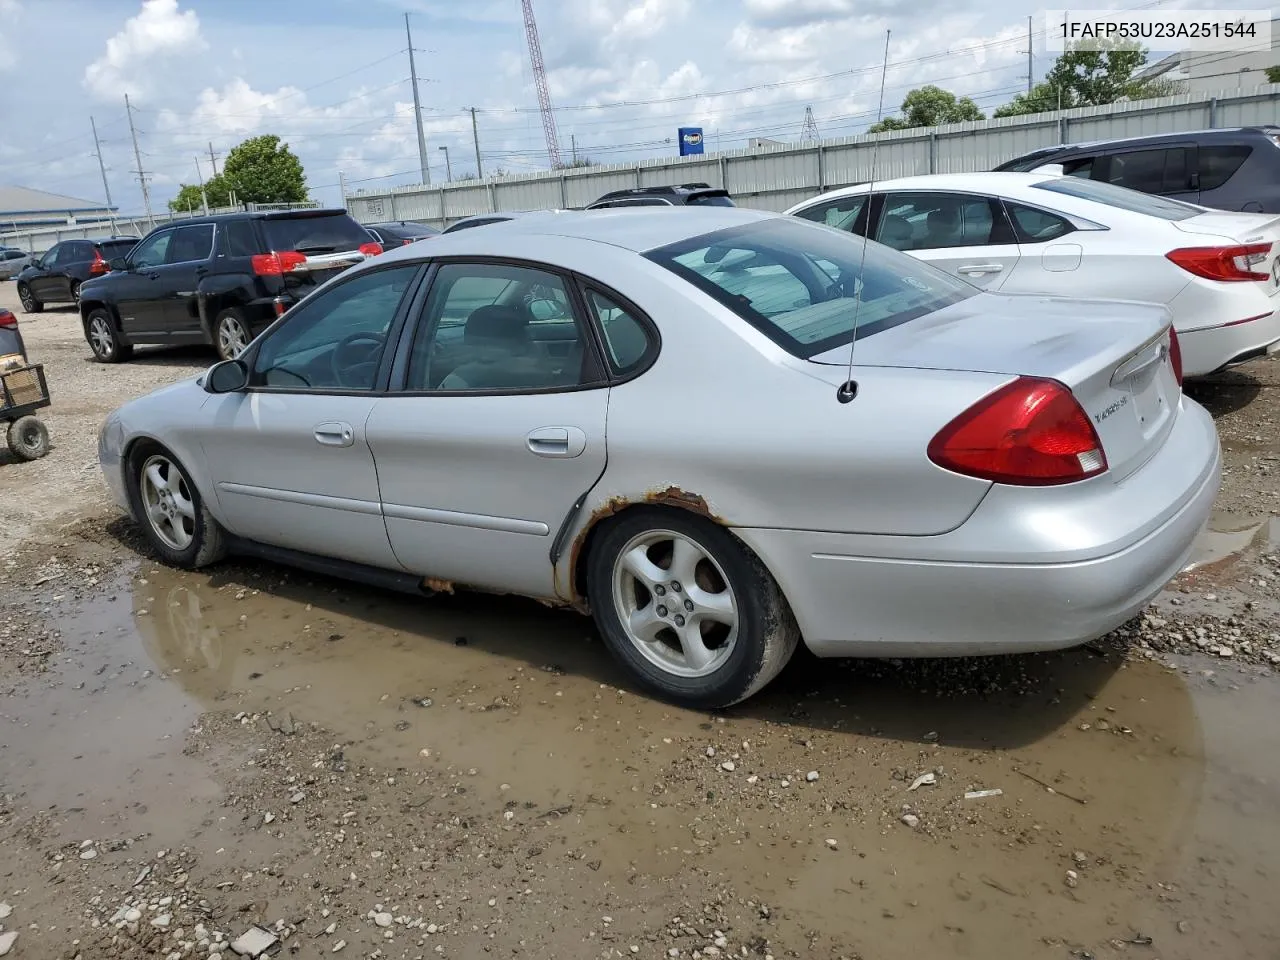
[
  {"x": 229, "y": 376},
  {"x": 118, "y": 263}
]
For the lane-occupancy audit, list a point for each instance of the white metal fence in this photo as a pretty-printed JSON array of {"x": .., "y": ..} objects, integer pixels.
[{"x": 775, "y": 177}]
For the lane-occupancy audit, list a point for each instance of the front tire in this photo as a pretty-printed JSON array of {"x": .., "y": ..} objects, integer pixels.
[
  {"x": 172, "y": 513},
  {"x": 103, "y": 338},
  {"x": 28, "y": 438},
  {"x": 29, "y": 302},
  {"x": 230, "y": 333},
  {"x": 687, "y": 609}
]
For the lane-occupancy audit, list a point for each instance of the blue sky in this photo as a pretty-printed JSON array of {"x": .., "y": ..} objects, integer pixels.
[{"x": 331, "y": 77}]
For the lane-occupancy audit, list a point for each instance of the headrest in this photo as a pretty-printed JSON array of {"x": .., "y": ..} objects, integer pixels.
[{"x": 496, "y": 322}]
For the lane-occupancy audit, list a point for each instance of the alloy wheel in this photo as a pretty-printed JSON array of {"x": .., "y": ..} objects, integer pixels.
[
  {"x": 232, "y": 338},
  {"x": 101, "y": 337},
  {"x": 166, "y": 499}
]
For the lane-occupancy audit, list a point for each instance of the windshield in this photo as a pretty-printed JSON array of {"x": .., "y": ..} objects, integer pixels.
[
  {"x": 1122, "y": 198},
  {"x": 799, "y": 283},
  {"x": 323, "y": 234}
]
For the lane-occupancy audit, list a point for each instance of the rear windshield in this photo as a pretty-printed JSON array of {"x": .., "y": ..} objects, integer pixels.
[
  {"x": 710, "y": 200},
  {"x": 800, "y": 284},
  {"x": 111, "y": 249},
  {"x": 324, "y": 234},
  {"x": 1122, "y": 198}
]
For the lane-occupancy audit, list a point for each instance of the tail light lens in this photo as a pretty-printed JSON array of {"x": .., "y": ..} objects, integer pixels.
[
  {"x": 277, "y": 264},
  {"x": 1175, "y": 354},
  {"x": 1031, "y": 432},
  {"x": 1223, "y": 263},
  {"x": 99, "y": 266},
  {"x": 371, "y": 249},
  {"x": 7, "y": 320}
]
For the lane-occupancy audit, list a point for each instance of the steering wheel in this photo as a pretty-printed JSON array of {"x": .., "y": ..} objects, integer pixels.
[{"x": 342, "y": 365}]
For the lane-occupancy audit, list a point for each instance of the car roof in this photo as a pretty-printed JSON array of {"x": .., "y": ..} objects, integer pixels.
[
  {"x": 639, "y": 230},
  {"x": 980, "y": 182},
  {"x": 668, "y": 190},
  {"x": 305, "y": 212},
  {"x": 1215, "y": 133}
]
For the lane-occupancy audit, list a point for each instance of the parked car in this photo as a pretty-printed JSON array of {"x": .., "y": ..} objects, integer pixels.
[
  {"x": 217, "y": 280},
  {"x": 1233, "y": 169},
  {"x": 484, "y": 219},
  {"x": 1037, "y": 233},
  {"x": 10, "y": 337},
  {"x": 685, "y": 194},
  {"x": 656, "y": 418},
  {"x": 400, "y": 234},
  {"x": 56, "y": 277},
  {"x": 12, "y": 262}
]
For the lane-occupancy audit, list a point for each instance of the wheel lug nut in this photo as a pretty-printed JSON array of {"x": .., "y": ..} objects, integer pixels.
[
  {"x": 679, "y": 620},
  {"x": 688, "y": 605},
  {"x": 662, "y": 611},
  {"x": 675, "y": 586},
  {"x": 660, "y": 590}
]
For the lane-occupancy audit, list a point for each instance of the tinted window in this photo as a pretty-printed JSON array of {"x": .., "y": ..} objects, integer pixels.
[
  {"x": 933, "y": 221},
  {"x": 236, "y": 239},
  {"x": 772, "y": 275},
  {"x": 190, "y": 244},
  {"x": 1120, "y": 198},
  {"x": 13, "y": 255},
  {"x": 1036, "y": 226},
  {"x": 843, "y": 213},
  {"x": 323, "y": 234},
  {"x": 77, "y": 251},
  {"x": 1151, "y": 171},
  {"x": 498, "y": 327},
  {"x": 1078, "y": 167},
  {"x": 111, "y": 249},
  {"x": 710, "y": 200},
  {"x": 151, "y": 251},
  {"x": 1218, "y": 164},
  {"x": 626, "y": 340},
  {"x": 335, "y": 340}
]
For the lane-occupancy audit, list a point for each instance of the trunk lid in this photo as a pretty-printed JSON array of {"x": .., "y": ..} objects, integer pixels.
[{"x": 1112, "y": 355}]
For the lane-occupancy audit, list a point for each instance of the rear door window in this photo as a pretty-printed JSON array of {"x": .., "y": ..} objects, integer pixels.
[
  {"x": 323, "y": 234},
  {"x": 1150, "y": 171},
  {"x": 935, "y": 221},
  {"x": 1219, "y": 163}
]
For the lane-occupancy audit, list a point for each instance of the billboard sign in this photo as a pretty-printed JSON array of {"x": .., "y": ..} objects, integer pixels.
[{"x": 690, "y": 140}]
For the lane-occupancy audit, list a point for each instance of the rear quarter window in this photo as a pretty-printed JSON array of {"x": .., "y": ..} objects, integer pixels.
[{"x": 1219, "y": 163}]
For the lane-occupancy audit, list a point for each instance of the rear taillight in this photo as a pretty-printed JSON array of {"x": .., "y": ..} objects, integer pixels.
[
  {"x": 1175, "y": 354},
  {"x": 276, "y": 264},
  {"x": 1223, "y": 263},
  {"x": 1029, "y": 433},
  {"x": 7, "y": 320},
  {"x": 371, "y": 249},
  {"x": 99, "y": 266}
]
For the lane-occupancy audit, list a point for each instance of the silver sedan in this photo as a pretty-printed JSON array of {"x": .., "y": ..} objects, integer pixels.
[{"x": 722, "y": 432}]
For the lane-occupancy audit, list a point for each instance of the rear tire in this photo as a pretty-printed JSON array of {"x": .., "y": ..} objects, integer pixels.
[
  {"x": 28, "y": 438},
  {"x": 104, "y": 339},
  {"x": 75, "y": 292},
  {"x": 29, "y": 302},
  {"x": 230, "y": 333},
  {"x": 690, "y": 612},
  {"x": 171, "y": 511}
]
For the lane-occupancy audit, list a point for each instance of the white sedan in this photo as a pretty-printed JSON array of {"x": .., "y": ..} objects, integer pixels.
[{"x": 1217, "y": 272}]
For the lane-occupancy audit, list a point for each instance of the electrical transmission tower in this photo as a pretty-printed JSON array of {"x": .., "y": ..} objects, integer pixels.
[
  {"x": 810, "y": 129},
  {"x": 540, "y": 81}
]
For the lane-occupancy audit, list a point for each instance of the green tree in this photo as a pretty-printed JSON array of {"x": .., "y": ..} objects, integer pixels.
[
  {"x": 1086, "y": 78},
  {"x": 264, "y": 170},
  {"x": 930, "y": 106},
  {"x": 189, "y": 198},
  {"x": 1273, "y": 74}
]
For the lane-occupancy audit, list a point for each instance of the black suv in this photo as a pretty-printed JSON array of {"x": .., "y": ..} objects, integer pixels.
[
  {"x": 685, "y": 194},
  {"x": 1236, "y": 169},
  {"x": 401, "y": 233},
  {"x": 217, "y": 280},
  {"x": 56, "y": 277}
]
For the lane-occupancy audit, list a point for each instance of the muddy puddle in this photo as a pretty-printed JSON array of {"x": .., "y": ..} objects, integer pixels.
[{"x": 1135, "y": 808}]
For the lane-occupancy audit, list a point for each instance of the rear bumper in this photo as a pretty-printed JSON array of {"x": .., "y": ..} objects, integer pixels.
[
  {"x": 1212, "y": 349},
  {"x": 1002, "y": 583}
]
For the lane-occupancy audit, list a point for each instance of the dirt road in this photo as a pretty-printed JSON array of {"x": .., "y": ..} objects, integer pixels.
[{"x": 185, "y": 757}]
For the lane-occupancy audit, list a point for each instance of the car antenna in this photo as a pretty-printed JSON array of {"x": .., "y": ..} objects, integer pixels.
[{"x": 849, "y": 389}]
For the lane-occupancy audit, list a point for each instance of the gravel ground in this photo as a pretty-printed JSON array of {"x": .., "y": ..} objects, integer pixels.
[{"x": 187, "y": 759}]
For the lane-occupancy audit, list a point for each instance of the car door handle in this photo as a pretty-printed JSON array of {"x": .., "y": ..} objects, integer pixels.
[
  {"x": 980, "y": 268},
  {"x": 556, "y": 441},
  {"x": 335, "y": 434}
]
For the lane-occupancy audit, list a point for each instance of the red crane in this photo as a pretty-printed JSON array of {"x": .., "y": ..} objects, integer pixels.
[{"x": 540, "y": 81}]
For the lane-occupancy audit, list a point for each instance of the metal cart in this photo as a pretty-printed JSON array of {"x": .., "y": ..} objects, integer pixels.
[{"x": 24, "y": 392}]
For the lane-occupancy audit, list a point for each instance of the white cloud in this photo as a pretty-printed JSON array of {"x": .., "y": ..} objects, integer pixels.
[{"x": 160, "y": 30}]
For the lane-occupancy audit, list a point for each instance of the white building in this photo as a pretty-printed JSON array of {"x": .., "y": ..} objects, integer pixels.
[{"x": 1208, "y": 72}]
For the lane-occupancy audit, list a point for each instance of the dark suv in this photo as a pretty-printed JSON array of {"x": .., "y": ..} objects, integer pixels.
[
  {"x": 401, "y": 233},
  {"x": 56, "y": 277},
  {"x": 217, "y": 280},
  {"x": 685, "y": 194},
  {"x": 1236, "y": 169}
]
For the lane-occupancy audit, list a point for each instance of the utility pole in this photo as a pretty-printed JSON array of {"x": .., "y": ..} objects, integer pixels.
[
  {"x": 448, "y": 168},
  {"x": 573, "y": 147},
  {"x": 475, "y": 138},
  {"x": 204, "y": 197},
  {"x": 417, "y": 107},
  {"x": 97, "y": 148},
  {"x": 213, "y": 160},
  {"x": 137, "y": 155},
  {"x": 1030, "y": 62},
  {"x": 342, "y": 188}
]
